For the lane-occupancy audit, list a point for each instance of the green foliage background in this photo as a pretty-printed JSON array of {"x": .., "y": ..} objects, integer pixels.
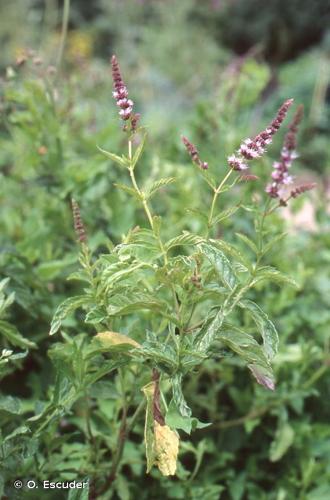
[{"x": 186, "y": 75}]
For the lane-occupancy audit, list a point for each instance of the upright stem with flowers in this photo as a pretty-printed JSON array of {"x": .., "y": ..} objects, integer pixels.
[{"x": 175, "y": 309}]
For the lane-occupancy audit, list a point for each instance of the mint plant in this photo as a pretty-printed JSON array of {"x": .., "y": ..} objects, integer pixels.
[
  {"x": 11, "y": 338},
  {"x": 160, "y": 308}
]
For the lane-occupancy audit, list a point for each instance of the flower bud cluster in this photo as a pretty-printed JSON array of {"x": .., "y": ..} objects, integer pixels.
[
  {"x": 78, "y": 223},
  {"x": 120, "y": 94},
  {"x": 254, "y": 148},
  {"x": 193, "y": 152},
  {"x": 280, "y": 175},
  {"x": 302, "y": 189}
]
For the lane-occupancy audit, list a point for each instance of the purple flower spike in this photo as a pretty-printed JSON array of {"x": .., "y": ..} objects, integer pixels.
[
  {"x": 78, "y": 223},
  {"x": 120, "y": 94},
  {"x": 193, "y": 153},
  {"x": 251, "y": 149},
  {"x": 280, "y": 174},
  {"x": 302, "y": 189}
]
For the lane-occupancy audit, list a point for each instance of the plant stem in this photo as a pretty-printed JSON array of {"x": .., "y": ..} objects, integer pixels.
[
  {"x": 124, "y": 430},
  {"x": 137, "y": 189},
  {"x": 64, "y": 31},
  {"x": 150, "y": 219},
  {"x": 196, "y": 468},
  {"x": 215, "y": 196},
  {"x": 88, "y": 420},
  {"x": 260, "y": 234},
  {"x": 318, "y": 374},
  {"x": 241, "y": 420}
]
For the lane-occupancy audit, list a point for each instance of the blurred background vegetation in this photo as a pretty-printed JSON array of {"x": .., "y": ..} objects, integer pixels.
[{"x": 215, "y": 71}]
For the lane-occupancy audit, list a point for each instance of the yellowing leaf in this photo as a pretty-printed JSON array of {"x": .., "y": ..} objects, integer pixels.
[
  {"x": 149, "y": 391},
  {"x": 112, "y": 339},
  {"x": 162, "y": 444},
  {"x": 166, "y": 449}
]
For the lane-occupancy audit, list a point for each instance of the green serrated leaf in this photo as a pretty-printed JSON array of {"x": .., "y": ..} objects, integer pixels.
[
  {"x": 198, "y": 213},
  {"x": 128, "y": 190},
  {"x": 138, "y": 152},
  {"x": 11, "y": 333},
  {"x": 221, "y": 264},
  {"x": 95, "y": 315},
  {"x": 23, "y": 429},
  {"x": 122, "y": 304},
  {"x": 80, "y": 275},
  {"x": 185, "y": 238},
  {"x": 51, "y": 269},
  {"x": 283, "y": 440},
  {"x": 10, "y": 405},
  {"x": 208, "y": 332},
  {"x": 265, "y": 327},
  {"x": 3, "y": 284},
  {"x": 161, "y": 354},
  {"x": 248, "y": 242},
  {"x": 232, "y": 251},
  {"x": 272, "y": 243},
  {"x": 178, "y": 397},
  {"x": 272, "y": 274},
  {"x": 122, "y": 161},
  {"x": 175, "y": 420},
  {"x": 250, "y": 352},
  {"x": 150, "y": 191},
  {"x": 224, "y": 215},
  {"x": 64, "y": 309}
]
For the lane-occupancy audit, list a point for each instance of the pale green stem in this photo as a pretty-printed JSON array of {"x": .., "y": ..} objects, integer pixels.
[
  {"x": 136, "y": 187},
  {"x": 149, "y": 216},
  {"x": 318, "y": 374},
  {"x": 64, "y": 31},
  {"x": 217, "y": 191}
]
